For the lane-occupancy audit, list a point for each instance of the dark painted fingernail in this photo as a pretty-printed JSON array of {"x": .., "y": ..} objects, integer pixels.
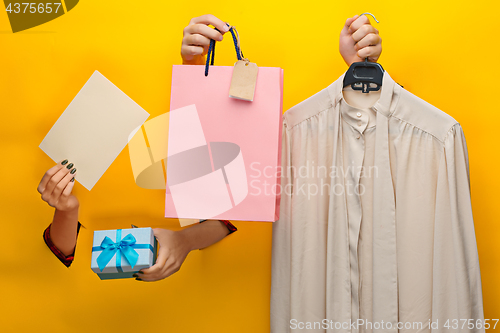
[
  {"x": 64, "y": 162},
  {"x": 135, "y": 275},
  {"x": 72, "y": 179},
  {"x": 69, "y": 166},
  {"x": 141, "y": 272},
  {"x": 73, "y": 171},
  {"x": 138, "y": 279}
]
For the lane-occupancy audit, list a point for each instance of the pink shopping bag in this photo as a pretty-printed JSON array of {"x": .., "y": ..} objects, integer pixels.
[{"x": 224, "y": 153}]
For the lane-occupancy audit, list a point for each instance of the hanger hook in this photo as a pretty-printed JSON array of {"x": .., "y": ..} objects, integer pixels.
[{"x": 372, "y": 16}]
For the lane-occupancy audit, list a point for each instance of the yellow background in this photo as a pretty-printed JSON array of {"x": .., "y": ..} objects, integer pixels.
[{"x": 442, "y": 51}]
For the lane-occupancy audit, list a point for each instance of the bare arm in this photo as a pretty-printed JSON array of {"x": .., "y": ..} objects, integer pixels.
[
  {"x": 63, "y": 231},
  {"x": 205, "y": 234}
]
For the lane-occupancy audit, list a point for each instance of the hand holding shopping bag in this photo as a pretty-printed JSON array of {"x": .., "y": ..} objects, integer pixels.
[{"x": 224, "y": 153}]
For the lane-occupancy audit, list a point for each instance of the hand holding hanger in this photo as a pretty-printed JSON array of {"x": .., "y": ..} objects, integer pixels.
[{"x": 359, "y": 40}]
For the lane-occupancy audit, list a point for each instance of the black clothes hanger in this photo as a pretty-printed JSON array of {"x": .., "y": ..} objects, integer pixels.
[{"x": 364, "y": 73}]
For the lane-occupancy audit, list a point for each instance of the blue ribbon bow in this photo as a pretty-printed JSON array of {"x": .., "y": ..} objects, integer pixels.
[{"x": 124, "y": 246}]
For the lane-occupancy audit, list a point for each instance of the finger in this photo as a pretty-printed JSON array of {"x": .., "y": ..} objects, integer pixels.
[
  {"x": 350, "y": 20},
  {"x": 372, "y": 52},
  {"x": 154, "y": 275},
  {"x": 46, "y": 177},
  {"x": 67, "y": 190},
  {"x": 192, "y": 50},
  {"x": 56, "y": 197},
  {"x": 54, "y": 180},
  {"x": 197, "y": 40},
  {"x": 364, "y": 31},
  {"x": 201, "y": 29},
  {"x": 151, "y": 273},
  {"x": 169, "y": 270},
  {"x": 211, "y": 19},
  {"x": 61, "y": 186},
  {"x": 368, "y": 40},
  {"x": 358, "y": 23},
  {"x": 347, "y": 24},
  {"x": 158, "y": 266}
]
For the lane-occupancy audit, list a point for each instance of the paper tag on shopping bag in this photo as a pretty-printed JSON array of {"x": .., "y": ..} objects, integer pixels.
[{"x": 243, "y": 80}]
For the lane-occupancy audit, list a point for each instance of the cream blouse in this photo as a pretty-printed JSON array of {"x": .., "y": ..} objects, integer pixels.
[{"x": 375, "y": 223}]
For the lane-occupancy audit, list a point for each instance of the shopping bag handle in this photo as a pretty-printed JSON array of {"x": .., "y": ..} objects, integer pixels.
[{"x": 211, "y": 48}]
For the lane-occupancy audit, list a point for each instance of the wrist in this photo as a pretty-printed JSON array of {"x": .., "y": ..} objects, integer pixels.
[
  {"x": 186, "y": 239},
  {"x": 67, "y": 213},
  {"x": 69, "y": 207}
]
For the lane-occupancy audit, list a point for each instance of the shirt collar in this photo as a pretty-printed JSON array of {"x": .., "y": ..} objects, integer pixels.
[
  {"x": 358, "y": 118},
  {"x": 384, "y": 105}
]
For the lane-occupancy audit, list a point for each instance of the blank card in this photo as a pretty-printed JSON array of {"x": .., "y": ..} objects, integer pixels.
[{"x": 94, "y": 129}]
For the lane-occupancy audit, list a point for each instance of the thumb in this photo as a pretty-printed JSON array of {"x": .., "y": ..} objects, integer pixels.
[
  {"x": 156, "y": 231},
  {"x": 158, "y": 265}
]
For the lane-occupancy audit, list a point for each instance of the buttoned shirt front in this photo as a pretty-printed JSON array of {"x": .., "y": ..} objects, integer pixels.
[{"x": 358, "y": 129}]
